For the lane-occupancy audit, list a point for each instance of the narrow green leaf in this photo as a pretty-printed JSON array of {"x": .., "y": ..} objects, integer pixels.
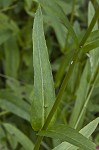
[
  {"x": 93, "y": 36},
  {"x": 6, "y": 24},
  {"x": 21, "y": 137},
  {"x": 44, "y": 94},
  {"x": 2, "y": 133},
  {"x": 89, "y": 75},
  {"x": 90, "y": 46},
  {"x": 94, "y": 55},
  {"x": 6, "y": 3},
  {"x": 14, "y": 104},
  {"x": 89, "y": 128},
  {"x": 91, "y": 12},
  {"x": 53, "y": 8},
  {"x": 19, "y": 89},
  {"x": 58, "y": 27},
  {"x": 86, "y": 131},
  {"x": 66, "y": 7},
  {"x": 11, "y": 62},
  {"x": 70, "y": 135},
  {"x": 4, "y": 36},
  {"x": 81, "y": 94},
  {"x": 12, "y": 141},
  {"x": 28, "y": 3}
]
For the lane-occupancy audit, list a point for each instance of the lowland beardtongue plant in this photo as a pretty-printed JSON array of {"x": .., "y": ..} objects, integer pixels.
[
  {"x": 39, "y": 43},
  {"x": 63, "y": 95}
]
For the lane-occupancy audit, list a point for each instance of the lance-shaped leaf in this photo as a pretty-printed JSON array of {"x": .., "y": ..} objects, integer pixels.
[
  {"x": 86, "y": 131},
  {"x": 54, "y": 9},
  {"x": 44, "y": 94},
  {"x": 11, "y": 62},
  {"x": 93, "y": 36},
  {"x": 88, "y": 76},
  {"x": 65, "y": 133},
  {"x": 13, "y": 103},
  {"x": 90, "y": 46},
  {"x": 94, "y": 54},
  {"x": 19, "y": 136}
]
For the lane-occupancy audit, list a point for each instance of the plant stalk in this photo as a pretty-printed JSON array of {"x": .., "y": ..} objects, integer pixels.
[
  {"x": 62, "y": 66},
  {"x": 77, "y": 53}
]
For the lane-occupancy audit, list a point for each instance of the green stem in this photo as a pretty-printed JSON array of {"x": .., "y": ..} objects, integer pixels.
[
  {"x": 60, "y": 73},
  {"x": 84, "y": 39},
  {"x": 65, "y": 81},
  {"x": 73, "y": 10},
  {"x": 58, "y": 99}
]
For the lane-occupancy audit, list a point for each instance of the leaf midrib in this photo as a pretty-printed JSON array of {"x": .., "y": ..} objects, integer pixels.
[{"x": 40, "y": 62}]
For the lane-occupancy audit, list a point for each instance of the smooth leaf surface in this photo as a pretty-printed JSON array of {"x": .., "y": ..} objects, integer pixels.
[
  {"x": 58, "y": 27},
  {"x": 6, "y": 3},
  {"x": 91, "y": 46},
  {"x": 66, "y": 7},
  {"x": 6, "y": 24},
  {"x": 14, "y": 104},
  {"x": 4, "y": 36},
  {"x": 88, "y": 76},
  {"x": 20, "y": 136},
  {"x": 81, "y": 94},
  {"x": 70, "y": 135},
  {"x": 55, "y": 9},
  {"x": 93, "y": 36},
  {"x": 11, "y": 62},
  {"x": 44, "y": 94},
  {"x": 94, "y": 55},
  {"x": 52, "y": 20},
  {"x": 86, "y": 131}
]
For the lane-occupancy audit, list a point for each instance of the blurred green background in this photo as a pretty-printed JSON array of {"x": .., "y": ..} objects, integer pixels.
[{"x": 16, "y": 68}]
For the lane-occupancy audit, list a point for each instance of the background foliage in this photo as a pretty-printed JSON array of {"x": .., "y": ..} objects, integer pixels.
[{"x": 16, "y": 70}]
